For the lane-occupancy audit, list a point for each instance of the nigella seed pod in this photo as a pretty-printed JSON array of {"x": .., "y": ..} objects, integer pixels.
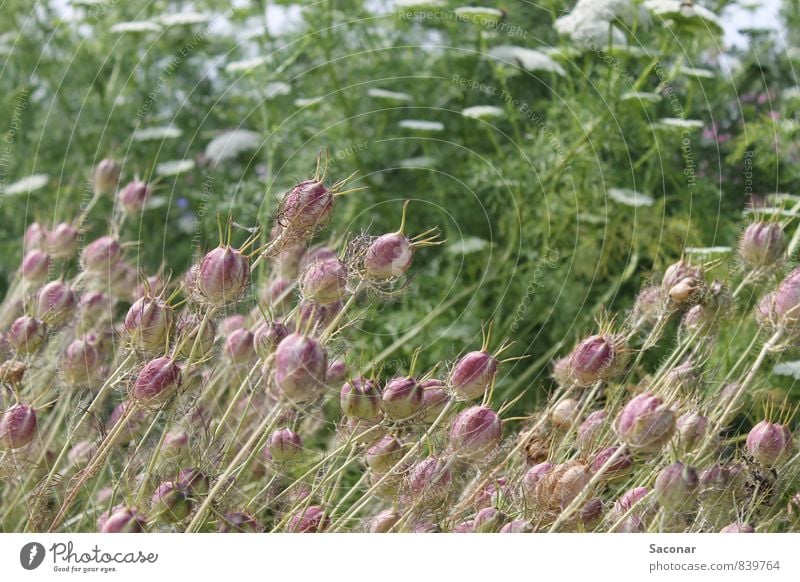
[
  {"x": 431, "y": 480},
  {"x": 238, "y": 522},
  {"x": 489, "y": 520},
  {"x": 645, "y": 424},
  {"x": 223, "y": 275},
  {"x": 55, "y": 303},
  {"x": 691, "y": 429},
  {"x": 148, "y": 322},
  {"x": 517, "y": 526},
  {"x": 434, "y": 400},
  {"x": 361, "y": 398},
  {"x": 684, "y": 378},
  {"x": 591, "y": 514},
  {"x": 157, "y": 382},
  {"x": 316, "y": 315},
  {"x": 312, "y": 519},
  {"x": 190, "y": 328},
  {"x": 649, "y": 306},
  {"x": 738, "y": 527},
  {"x": 619, "y": 467},
  {"x": 473, "y": 375},
  {"x": 633, "y": 501},
  {"x": 239, "y": 346},
  {"x": 402, "y": 398},
  {"x": 304, "y": 209},
  {"x": 285, "y": 445},
  {"x": 763, "y": 245},
  {"x": 18, "y": 427},
  {"x": 384, "y": 454},
  {"x": 476, "y": 432},
  {"x": 101, "y": 255},
  {"x": 35, "y": 266},
  {"x": 267, "y": 337},
  {"x": 564, "y": 414},
  {"x": 362, "y": 431},
  {"x": 194, "y": 481},
  {"x": 561, "y": 485},
  {"x": 27, "y": 334},
  {"x": 12, "y": 372},
  {"x": 314, "y": 255},
  {"x": 300, "y": 367},
  {"x": 389, "y": 256},
  {"x": 62, "y": 241},
  {"x": 597, "y": 358},
  {"x": 135, "y": 423},
  {"x": 720, "y": 484},
  {"x": 384, "y": 521},
  {"x": 769, "y": 443},
  {"x": 94, "y": 307},
  {"x": 678, "y": 272},
  {"x": 81, "y": 362},
  {"x": 532, "y": 479},
  {"x": 35, "y": 237},
  {"x": 171, "y": 502},
  {"x": 106, "y": 176},
  {"x": 122, "y": 520},
  {"x": 591, "y": 430},
  {"x": 133, "y": 196},
  {"x": 324, "y": 282},
  {"x": 784, "y": 306},
  {"x": 336, "y": 372},
  {"x": 676, "y": 486},
  {"x": 175, "y": 443}
]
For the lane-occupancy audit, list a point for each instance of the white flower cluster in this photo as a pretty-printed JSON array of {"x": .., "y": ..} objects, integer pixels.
[{"x": 591, "y": 21}]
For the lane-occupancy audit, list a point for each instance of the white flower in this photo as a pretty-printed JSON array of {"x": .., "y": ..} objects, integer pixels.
[
  {"x": 183, "y": 19},
  {"x": 788, "y": 369},
  {"x": 174, "y": 167},
  {"x": 308, "y": 101},
  {"x": 276, "y": 88},
  {"x": 669, "y": 122},
  {"x": 156, "y": 133},
  {"x": 707, "y": 251},
  {"x": 422, "y": 125},
  {"x": 230, "y": 144},
  {"x": 465, "y": 246},
  {"x": 245, "y": 65},
  {"x": 418, "y": 162},
  {"x": 388, "y": 95},
  {"x": 698, "y": 73},
  {"x": 482, "y": 111},
  {"x": 141, "y": 26},
  {"x": 528, "y": 59},
  {"x": 678, "y": 10},
  {"x": 641, "y": 96},
  {"x": 478, "y": 14},
  {"x": 591, "y": 20},
  {"x": 630, "y": 197},
  {"x": 27, "y": 185}
]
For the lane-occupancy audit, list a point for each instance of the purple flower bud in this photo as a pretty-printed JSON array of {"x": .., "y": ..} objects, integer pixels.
[
  {"x": 324, "y": 282},
  {"x": 101, "y": 255},
  {"x": 304, "y": 209},
  {"x": 279, "y": 295},
  {"x": 316, "y": 315},
  {"x": 720, "y": 484},
  {"x": 62, "y": 241},
  {"x": 683, "y": 378},
  {"x": 133, "y": 196},
  {"x": 691, "y": 429},
  {"x": 223, "y": 275},
  {"x": 402, "y": 398},
  {"x": 785, "y": 304},
  {"x": 769, "y": 443},
  {"x": 157, "y": 382},
  {"x": 35, "y": 237},
  {"x": 285, "y": 445},
  {"x": 517, "y": 526},
  {"x": 314, "y": 255},
  {"x": 18, "y": 427},
  {"x": 564, "y": 414},
  {"x": 300, "y": 366},
  {"x": 94, "y": 307},
  {"x": 309, "y": 520},
  {"x": 123, "y": 520},
  {"x": 81, "y": 362},
  {"x": 738, "y": 527},
  {"x": 148, "y": 322},
  {"x": 336, "y": 372},
  {"x": 676, "y": 486},
  {"x": 431, "y": 480},
  {"x": 238, "y": 522},
  {"x": 239, "y": 346},
  {"x": 434, "y": 400},
  {"x": 35, "y": 266},
  {"x": 763, "y": 245},
  {"x": 489, "y": 520},
  {"x": 106, "y": 176},
  {"x": 267, "y": 337},
  {"x": 645, "y": 423},
  {"x": 591, "y": 430},
  {"x": 389, "y": 256},
  {"x": 27, "y": 334},
  {"x": 473, "y": 375},
  {"x": 476, "y": 432},
  {"x": 361, "y": 398},
  {"x": 55, "y": 303},
  {"x": 620, "y": 467},
  {"x": 384, "y": 455},
  {"x": 384, "y": 521},
  {"x": 532, "y": 479},
  {"x": 597, "y": 358},
  {"x": 188, "y": 329},
  {"x": 460, "y": 528},
  {"x": 634, "y": 499},
  {"x": 171, "y": 502}
]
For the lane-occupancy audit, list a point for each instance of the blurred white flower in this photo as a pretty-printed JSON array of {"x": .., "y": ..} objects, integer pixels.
[
  {"x": 478, "y": 14},
  {"x": 467, "y": 245},
  {"x": 308, "y": 101},
  {"x": 388, "y": 95},
  {"x": 245, "y": 65},
  {"x": 230, "y": 144},
  {"x": 591, "y": 21},
  {"x": 707, "y": 251},
  {"x": 184, "y": 18},
  {"x": 418, "y": 162},
  {"x": 27, "y": 185},
  {"x": 421, "y": 125},
  {"x": 641, "y": 96},
  {"x": 482, "y": 111},
  {"x": 670, "y": 122},
  {"x": 630, "y": 197},
  {"x": 174, "y": 167},
  {"x": 679, "y": 10},
  {"x": 141, "y": 26},
  {"x": 156, "y": 133},
  {"x": 528, "y": 59}
]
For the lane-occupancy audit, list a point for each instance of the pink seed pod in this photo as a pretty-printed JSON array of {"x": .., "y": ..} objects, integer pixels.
[
  {"x": 476, "y": 432},
  {"x": 620, "y": 467},
  {"x": 239, "y": 346},
  {"x": 336, "y": 372},
  {"x": 239, "y": 522},
  {"x": 517, "y": 526},
  {"x": 491, "y": 494},
  {"x": 316, "y": 315},
  {"x": 122, "y": 520},
  {"x": 189, "y": 329},
  {"x": 27, "y": 334},
  {"x": 267, "y": 337},
  {"x": 384, "y": 454},
  {"x": 133, "y": 197},
  {"x": 171, "y": 502},
  {"x": 564, "y": 414},
  {"x": 314, "y": 255},
  {"x": 769, "y": 443},
  {"x": 785, "y": 304},
  {"x": 80, "y": 454},
  {"x": 434, "y": 400},
  {"x": 473, "y": 375},
  {"x": 561, "y": 372},
  {"x": 12, "y": 372},
  {"x": 300, "y": 367},
  {"x": 561, "y": 485},
  {"x": 402, "y": 398},
  {"x": 94, "y": 307},
  {"x": 122, "y": 280},
  {"x": 720, "y": 484},
  {"x": 175, "y": 443},
  {"x": 223, "y": 275},
  {"x": 35, "y": 237},
  {"x": 461, "y": 527},
  {"x": 135, "y": 424},
  {"x": 489, "y": 520},
  {"x": 279, "y": 296},
  {"x": 684, "y": 378},
  {"x": 590, "y": 432},
  {"x": 632, "y": 524},
  {"x": 286, "y": 262},
  {"x": 62, "y": 241},
  {"x": 738, "y": 527},
  {"x": 101, "y": 255},
  {"x": 324, "y": 282},
  {"x": 389, "y": 256},
  {"x": 597, "y": 358},
  {"x": 361, "y": 431},
  {"x": 55, "y": 303},
  {"x": 763, "y": 245},
  {"x": 194, "y": 481},
  {"x": 361, "y": 398},
  {"x": 645, "y": 424},
  {"x": 304, "y": 209},
  {"x": 285, "y": 445},
  {"x": 35, "y": 266},
  {"x": 431, "y": 481},
  {"x": 678, "y": 272},
  {"x": 590, "y": 514},
  {"x": 384, "y": 521},
  {"x": 81, "y": 362},
  {"x": 157, "y": 382},
  {"x": 312, "y": 519},
  {"x": 148, "y": 323},
  {"x": 691, "y": 429},
  {"x": 676, "y": 486},
  {"x": 532, "y": 479},
  {"x": 633, "y": 499},
  {"x": 105, "y": 176},
  {"x": 649, "y": 306},
  {"x": 18, "y": 427}
]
